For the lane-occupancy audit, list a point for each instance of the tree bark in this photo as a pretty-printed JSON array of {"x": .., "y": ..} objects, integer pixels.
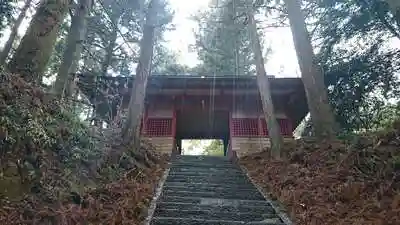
[
  {"x": 131, "y": 131},
  {"x": 110, "y": 48},
  {"x": 394, "y": 6},
  {"x": 265, "y": 91},
  {"x": 71, "y": 55},
  {"x": 322, "y": 116},
  {"x": 33, "y": 53},
  {"x": 14, "y": 31}
]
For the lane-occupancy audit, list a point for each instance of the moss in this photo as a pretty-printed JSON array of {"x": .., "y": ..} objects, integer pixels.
[{"x": 41, "y": 137}]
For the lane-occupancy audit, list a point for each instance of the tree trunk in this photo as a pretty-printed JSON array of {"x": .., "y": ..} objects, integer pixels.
[
  {"x": 14, "y": 31},
  {"x": 394, "y": 6},
  {"x": 265, "y": 91},
  {"x": 313, "y": 78},
  {"x": 131, "y": 131},
  {"x": 34, "y": 51},
  {"x": 109, "y": 52},
  {"x": 71, "y": 55}
]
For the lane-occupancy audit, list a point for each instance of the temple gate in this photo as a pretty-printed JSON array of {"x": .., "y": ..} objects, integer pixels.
[{"x": 189, "y": 107}]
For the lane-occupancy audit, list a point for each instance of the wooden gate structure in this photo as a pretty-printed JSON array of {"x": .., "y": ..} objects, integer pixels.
[{"x": 202, "y": 107}]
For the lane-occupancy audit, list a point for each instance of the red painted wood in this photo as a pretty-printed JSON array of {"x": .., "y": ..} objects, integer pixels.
[
  {"x": 159, "y": 127},
  {"x": 245, "y": 127},
  {"x": 255, "y": 127},
  {"x": 230, "y": 126},
  {"x": 238, "y": 127},
  {"x": 285, "y": 126},
  {"x": 195, "y": 103}
]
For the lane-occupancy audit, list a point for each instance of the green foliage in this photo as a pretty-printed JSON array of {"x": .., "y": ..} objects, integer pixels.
[
  {"x": 360, "y": 77},
  {"x": 361, "y": 68},
  {"x": 56, "y": 57},
  {"x": 40, "y": 135},
  {"x": 6, "y": 10},
  {"x": 165, "y": 63},
  {"x": 107, "y": 47},
  {"x": 360, "y": 83},
  {"x": 208, "y": 147},
  {"x": 223, "y": 41},
  {"x": 386, "y": 116},
  {"x": 215, "y": 148}
]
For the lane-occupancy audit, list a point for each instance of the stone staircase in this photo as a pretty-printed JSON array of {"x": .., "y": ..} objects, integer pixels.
[{"x": 204, "y": 190}]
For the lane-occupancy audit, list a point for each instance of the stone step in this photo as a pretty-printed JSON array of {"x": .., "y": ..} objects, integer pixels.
[
  {"x": 215, "y": 194},
  {"x": 189, "y": 221},
  {"x": 219, "y": 161},
  {"x": 243, "y": 208},
  {"x": 215, "y": 215},
  {"x": 204, "y": 169},
  {"x": 203, "y": 165},
  {"x": 210, "y": 191},
  {"x": 210, "y": 176},
  {"x": 216, "y": 180},
  {"x": 206, "y": 159},
  {"x": 206, "y": 173},
  {"x": 214, "y": 201},
  {"x": 202, "y": 158},
  {"x": 200, "y": 185},
  {"x": 205, "y": 187}
]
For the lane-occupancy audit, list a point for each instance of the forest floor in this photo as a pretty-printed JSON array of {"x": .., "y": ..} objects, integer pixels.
[
  {"x": 56, "y": 169},
  {"x": 343, "y": 182}
]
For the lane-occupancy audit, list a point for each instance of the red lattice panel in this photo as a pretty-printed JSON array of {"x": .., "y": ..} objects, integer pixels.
[
  {"x": 244, "y": 127},
  {"x": 264, "y": 128},
  {"x": 286, "y": 128},
  {"x": 158, "y": 127}
]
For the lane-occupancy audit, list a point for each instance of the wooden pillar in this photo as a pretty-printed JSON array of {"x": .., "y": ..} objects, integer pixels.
[
  {"x": 226, "y": 142},
  {"x": 229, "y": 151},
  {"x": 230, "y": 125},
  {"x": 174, "y": 126},
  {"x": 290, "y": 127},
  {"x": 179, "y": 145},
  {"x": 173, "y": 120}
]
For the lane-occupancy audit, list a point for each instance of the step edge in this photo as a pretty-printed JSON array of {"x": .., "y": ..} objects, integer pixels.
[{"x": 217, "y": 221}]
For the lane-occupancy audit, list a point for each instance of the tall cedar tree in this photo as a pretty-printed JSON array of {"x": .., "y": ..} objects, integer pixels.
[
  {"x": 394, "y": 6},
  {"x": 321, "y": 113},
  {"x": 131, "y": 131},
  {"x": 14, "y": 31},
  {"x": 76, "y": 36},
  {"x": 34, "y": 51},
  {"x": 265, "y": 90}
]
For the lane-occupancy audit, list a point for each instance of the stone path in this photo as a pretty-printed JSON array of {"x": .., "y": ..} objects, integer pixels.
[{"x": 204, "y": 190}]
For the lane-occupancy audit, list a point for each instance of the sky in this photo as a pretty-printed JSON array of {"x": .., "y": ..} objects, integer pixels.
[{"x": 281, "y": 63}]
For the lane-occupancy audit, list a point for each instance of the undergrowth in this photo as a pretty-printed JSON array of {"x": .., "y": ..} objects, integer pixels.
[
  {"x": 53, "y": 164},
  {"x": 353, "y": 181},
  {"x": 39, "y": 133}
]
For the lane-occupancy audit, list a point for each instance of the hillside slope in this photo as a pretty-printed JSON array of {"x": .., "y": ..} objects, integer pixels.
[
  {"x": 355, "y": 182},
  {"x": 57, "y": 169}
]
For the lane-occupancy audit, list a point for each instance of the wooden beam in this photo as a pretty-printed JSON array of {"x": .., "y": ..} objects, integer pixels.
[{"x": 217, "y": 92}]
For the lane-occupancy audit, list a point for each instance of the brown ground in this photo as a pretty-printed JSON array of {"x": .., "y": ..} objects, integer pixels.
[
  {"x": 329, "y": 183},
  {"x": 121, "y": 202},
  {"x": 42, "y": 182}
]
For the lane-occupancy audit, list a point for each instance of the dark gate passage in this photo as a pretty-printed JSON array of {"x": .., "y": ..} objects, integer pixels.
[
  {"x": 193, "y": 107},
  {"x": 202, "y": 124}
]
